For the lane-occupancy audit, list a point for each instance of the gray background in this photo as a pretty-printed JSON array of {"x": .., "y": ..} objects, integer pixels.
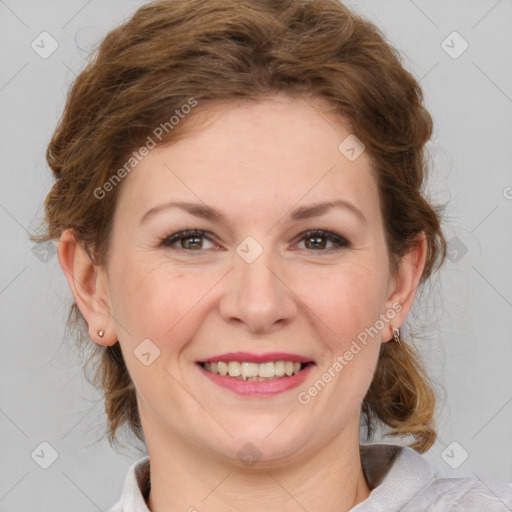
[{"x": 467, "y": 347}]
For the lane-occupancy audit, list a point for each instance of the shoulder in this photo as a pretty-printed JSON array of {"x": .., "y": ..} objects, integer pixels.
[
  {"x": 468, "y": 494},
  {"x": 401, "y": 479}
]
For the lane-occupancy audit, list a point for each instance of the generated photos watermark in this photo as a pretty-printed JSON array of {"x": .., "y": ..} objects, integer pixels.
[
  {"x": 304, "y": 397},
  {"x": 137, "y": 156}
]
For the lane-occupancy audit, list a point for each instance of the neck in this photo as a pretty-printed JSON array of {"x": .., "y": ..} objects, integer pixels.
[{"x": 184, "y": 477}]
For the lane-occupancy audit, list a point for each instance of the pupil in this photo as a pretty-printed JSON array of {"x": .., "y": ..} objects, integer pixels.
[
  {"x": 322, "y": 245},
  {"x": 196, "y": 238}
]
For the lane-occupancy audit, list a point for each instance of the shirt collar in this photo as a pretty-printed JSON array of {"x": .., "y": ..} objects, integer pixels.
[
  {"x": 395, "y": 474},
  {"x": 136, "y": 487}
]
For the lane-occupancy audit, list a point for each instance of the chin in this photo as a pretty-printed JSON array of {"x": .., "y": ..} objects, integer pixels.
[{"x": 256, "y": 448}]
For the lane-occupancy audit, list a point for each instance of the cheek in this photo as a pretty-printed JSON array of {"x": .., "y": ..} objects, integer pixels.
[
  {"x": 347, "y": 299},
  {"x": 149, "y": 300},
  {"x": 347, "y": 303},
  {"x": 153, "y": 303},
  {"x": 345, "y": 313}
]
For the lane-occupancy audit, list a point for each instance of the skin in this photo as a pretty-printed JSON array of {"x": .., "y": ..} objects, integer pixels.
[{"x": 255, "y": 162}]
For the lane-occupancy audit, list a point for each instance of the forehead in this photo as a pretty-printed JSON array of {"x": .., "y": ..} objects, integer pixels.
[{"x": 260, "y": 155}]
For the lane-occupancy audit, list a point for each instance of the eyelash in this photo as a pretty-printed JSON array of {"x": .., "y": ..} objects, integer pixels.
[{"x": 339, "y": 241}]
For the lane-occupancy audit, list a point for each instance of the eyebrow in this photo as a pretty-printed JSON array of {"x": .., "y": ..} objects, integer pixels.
[{"x": 207, "y": 212}]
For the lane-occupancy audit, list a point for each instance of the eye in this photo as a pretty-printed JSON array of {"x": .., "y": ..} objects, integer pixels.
[
  {"x": 191, "y": 240},
  {"x": 318, "y": 245}
]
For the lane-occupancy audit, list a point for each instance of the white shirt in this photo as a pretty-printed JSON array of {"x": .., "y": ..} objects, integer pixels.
[{"x": 400, "y": 478}]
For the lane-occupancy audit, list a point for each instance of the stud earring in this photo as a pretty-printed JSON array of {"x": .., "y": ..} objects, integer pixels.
[
  {"x": 101, "y": 333},
  {"x": 396, "y": 335}
]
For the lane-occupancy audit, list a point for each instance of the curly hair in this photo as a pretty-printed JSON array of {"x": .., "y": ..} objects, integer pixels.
[{"x": 170, "y": 51}]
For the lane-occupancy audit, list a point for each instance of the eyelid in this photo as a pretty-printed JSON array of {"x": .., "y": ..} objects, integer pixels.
[
  {"x": 170, "y": 240},
  {"x": 340, "y": 242}
]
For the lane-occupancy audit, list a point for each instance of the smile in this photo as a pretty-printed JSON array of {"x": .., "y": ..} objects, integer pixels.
[
  {"x": 257, "y": 380},
  {"x": 252, "y": 372}
]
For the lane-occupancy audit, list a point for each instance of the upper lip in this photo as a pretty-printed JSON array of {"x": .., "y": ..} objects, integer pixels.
[{"x": 257, "y": 358}]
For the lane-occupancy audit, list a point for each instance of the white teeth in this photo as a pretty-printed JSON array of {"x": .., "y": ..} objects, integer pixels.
[
  {"x": 266, "y": 370},
  {"x": 234, "y": 369},
  {"x": 254, "y": 371},
  {"x": 222, "y": 367},
  {"x": 249, "y": 370},
  {"x": 279, "y": 368}
]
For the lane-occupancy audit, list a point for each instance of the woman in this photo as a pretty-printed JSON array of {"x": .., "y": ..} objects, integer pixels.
[{"x": 240, "y": 213}]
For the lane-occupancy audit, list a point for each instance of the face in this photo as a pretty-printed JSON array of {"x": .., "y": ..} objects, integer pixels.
[{"x": 256, "y": 281}]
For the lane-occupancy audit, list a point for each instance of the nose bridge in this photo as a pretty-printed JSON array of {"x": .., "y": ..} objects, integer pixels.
[{"x": 256, "y": 292}]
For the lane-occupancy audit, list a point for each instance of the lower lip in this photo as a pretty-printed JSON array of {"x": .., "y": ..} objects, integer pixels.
[{"x": 258, "y": 388}]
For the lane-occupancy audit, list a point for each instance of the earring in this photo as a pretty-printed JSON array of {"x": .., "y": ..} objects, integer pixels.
[
  {"x": 101, "y": 333},
  {"x": 396, "y": 335}
]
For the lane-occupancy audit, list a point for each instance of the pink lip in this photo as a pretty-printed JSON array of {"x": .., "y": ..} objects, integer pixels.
[
  {"x": 261, "y": 388},
  {"x": 256, "y": 358}
]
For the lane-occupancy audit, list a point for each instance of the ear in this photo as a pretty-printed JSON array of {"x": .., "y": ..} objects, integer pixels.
[
  {"x": 89, "y": 287},
  {"x": 403, "y": 286}
]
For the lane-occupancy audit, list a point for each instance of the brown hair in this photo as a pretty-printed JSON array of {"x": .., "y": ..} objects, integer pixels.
[{"x": 172, "y": 51}]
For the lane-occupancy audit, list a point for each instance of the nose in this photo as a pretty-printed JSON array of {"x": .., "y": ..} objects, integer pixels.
[{"x": 257, "y": 295}]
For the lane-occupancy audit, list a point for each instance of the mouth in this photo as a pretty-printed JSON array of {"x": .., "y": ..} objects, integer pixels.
[
  {"x": 255, "y": 372},
  {"x": 256, "y": 375}
]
